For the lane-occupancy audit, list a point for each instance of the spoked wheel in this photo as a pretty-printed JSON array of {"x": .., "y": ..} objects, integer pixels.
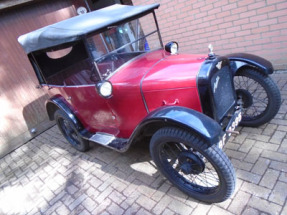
[
  {"x": 260, "y": 96},
  {"x": 70, "y": 132},
  {"x": 204, "y": 173}
]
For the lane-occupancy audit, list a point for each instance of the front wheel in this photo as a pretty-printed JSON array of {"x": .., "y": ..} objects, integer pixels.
[
  {"x": 204, "y": 173},
  {"x": 260, "y": 97}
]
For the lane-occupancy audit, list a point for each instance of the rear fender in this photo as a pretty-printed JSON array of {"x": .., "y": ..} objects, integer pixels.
[
  {"x": 58, "y": 102},
  {"x": 182, "y": 117},
  {"x": 239, "y": 60}
]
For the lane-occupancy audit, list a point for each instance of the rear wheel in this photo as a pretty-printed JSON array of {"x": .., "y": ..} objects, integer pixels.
[
  {"x": 70, "y": 132},
  {"x": 204, "y": 173},
  {"x": 260, "y": 96}
]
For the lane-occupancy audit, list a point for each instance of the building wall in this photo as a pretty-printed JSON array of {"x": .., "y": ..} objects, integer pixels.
[
  {"x": 254, "y": 26},
  {"x": 22, "y": 106}
]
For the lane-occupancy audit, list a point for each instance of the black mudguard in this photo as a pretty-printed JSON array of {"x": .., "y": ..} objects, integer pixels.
[
  {"x": 58, "y": 102},
  {"x": 185, "y": 118},
  {"x": 238, "y": 60}
]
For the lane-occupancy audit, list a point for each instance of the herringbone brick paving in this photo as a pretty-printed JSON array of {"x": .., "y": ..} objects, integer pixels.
[{"x": 47, "y": 176}]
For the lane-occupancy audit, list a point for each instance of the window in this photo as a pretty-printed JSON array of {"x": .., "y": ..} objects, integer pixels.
[{"x": 67, "y": 66}]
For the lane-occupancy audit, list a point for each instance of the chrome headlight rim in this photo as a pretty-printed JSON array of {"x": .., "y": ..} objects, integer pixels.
[
  {"x": 105, "y": 89},
  {"x": 171, "y": 47}
]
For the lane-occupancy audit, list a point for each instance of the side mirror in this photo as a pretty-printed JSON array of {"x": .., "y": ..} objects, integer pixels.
[{"x": 105, "y": 89}]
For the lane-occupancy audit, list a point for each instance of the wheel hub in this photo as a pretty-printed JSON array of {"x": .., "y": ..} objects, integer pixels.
[
  {"x": 190, "y": 163},
  {"x": 246, "y": 97}
]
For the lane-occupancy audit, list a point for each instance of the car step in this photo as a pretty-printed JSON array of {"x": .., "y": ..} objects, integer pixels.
[{"x": 110, "y": 141}]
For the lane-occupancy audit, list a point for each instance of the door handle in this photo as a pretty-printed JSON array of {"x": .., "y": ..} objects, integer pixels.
[{"x": 167, "y": 103}]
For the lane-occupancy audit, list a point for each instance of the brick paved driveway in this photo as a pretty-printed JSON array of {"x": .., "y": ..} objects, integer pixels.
[{"x": 47, "y": 176}]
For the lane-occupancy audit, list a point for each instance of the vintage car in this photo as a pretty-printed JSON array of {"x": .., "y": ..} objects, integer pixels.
[{"x": 112, "y": 82}]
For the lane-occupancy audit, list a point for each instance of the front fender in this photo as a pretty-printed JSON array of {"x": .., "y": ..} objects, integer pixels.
[
  {"x": 58, "y": 102},
  {"x": 238, "y": 60},
  {"x": 182, "y": 117}
]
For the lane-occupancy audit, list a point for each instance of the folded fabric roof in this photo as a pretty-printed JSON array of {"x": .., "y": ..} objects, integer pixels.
[{"x": 74, "y": 28}]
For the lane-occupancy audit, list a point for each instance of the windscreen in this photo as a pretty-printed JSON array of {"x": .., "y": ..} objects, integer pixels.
[{"x": 122, "y": 43}]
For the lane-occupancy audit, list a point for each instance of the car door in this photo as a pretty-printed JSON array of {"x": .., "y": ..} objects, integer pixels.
[{"x": 92, "y": 109}]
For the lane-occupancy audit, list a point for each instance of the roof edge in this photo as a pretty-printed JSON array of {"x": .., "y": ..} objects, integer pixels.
[{"x": 74, "y": 28}]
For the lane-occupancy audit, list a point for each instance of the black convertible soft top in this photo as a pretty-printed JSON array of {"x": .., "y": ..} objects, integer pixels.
[{"x": 72, "y": 29}]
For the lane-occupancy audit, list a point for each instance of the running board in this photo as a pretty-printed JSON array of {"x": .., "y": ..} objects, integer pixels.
[{"x": 110, "y": 141}]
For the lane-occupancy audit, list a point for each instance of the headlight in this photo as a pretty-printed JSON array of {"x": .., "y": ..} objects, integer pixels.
[
  {"x": 105, "y": 89},
  {"x": 171, "y": 47}
]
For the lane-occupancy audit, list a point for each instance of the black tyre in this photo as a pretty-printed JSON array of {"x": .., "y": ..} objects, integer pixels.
[
  {"x": 260, "y": 97},
  {"x": 68, "y": 129},
  {"x": 204, "y": 173}
]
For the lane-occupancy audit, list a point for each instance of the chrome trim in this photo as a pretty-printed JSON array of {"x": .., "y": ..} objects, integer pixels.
[
  {"x": 102, "y": 138},
  {"x": 110, "y": 141},
  {"x": 69, "y": 86}
]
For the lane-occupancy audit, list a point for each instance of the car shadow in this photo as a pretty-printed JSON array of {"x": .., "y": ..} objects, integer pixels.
[{"x": 108, "y": 168}]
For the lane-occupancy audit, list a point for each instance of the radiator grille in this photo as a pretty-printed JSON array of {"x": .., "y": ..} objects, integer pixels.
[{"x": 222, "y": 91}]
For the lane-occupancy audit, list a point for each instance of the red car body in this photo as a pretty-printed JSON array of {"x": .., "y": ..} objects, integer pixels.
[
  {"x": 112, "y": 82},
  {"x": 158, "y": 78}
]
